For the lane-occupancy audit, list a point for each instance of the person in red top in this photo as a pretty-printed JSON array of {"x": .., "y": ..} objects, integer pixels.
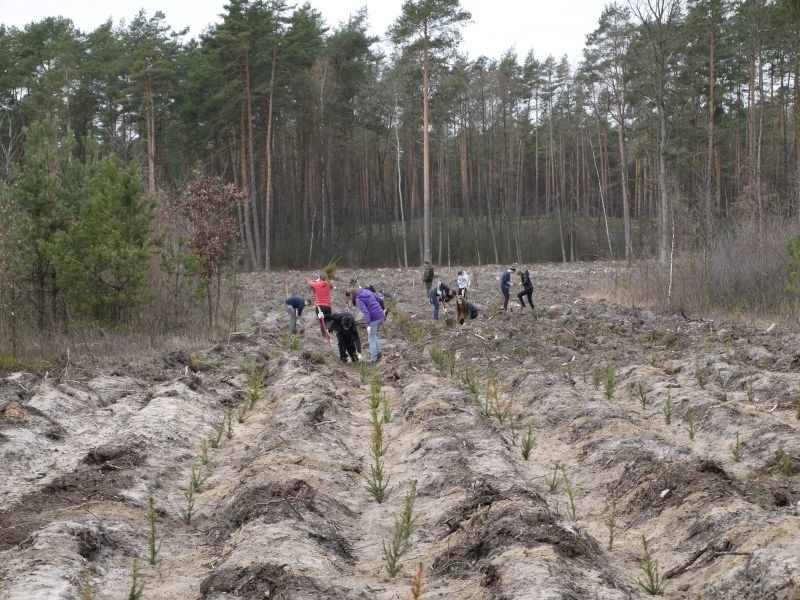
[{"x": 322, "y": 300}]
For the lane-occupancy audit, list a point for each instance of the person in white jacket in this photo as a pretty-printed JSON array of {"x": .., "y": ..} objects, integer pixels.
[{"x": 463, "y": 283}]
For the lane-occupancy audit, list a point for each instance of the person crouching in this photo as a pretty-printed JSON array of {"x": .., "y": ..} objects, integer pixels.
[{"x": 465, "y": 310}]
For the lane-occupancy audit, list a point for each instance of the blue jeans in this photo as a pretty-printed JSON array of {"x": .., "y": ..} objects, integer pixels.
[
  {"x": 434, "y": 298},
  {"x": 290, "y": 310},
  {"x": 505, "y": 298},
  {"x": 372, "y": 336}
]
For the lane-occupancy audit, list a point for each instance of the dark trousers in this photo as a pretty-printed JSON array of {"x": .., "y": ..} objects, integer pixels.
[
  {"x": 327, "y": 311},
  {"x": 349, "y": 344},
  {"x": 529, "y": 294},
  {"x": 505, "y": 298}
]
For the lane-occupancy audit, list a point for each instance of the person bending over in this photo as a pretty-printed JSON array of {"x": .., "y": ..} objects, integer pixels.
[
  {"x": 294, "y": 306},
  {"x": 344, "y": 325}
]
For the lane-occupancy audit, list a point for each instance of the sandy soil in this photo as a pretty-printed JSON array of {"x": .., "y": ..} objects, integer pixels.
[{"x": 282, "y": 508}]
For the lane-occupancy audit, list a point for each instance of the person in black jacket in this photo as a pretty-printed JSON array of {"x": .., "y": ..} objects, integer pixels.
[
  {"x": 344, "y": 325},
  {"x": 527, "y": 289},
  {"x": 439, "y": 296}
]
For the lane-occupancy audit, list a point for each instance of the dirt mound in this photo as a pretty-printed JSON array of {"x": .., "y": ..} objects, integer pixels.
[{"x": 542, "y": 451}]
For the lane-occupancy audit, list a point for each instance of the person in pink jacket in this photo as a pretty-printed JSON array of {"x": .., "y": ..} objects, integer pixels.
[
  {"x": 369, "y": 304},
  {"x": 322, "y": 300}
]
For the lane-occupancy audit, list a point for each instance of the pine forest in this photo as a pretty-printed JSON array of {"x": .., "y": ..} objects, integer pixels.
[{"x": 138, "y": 168}]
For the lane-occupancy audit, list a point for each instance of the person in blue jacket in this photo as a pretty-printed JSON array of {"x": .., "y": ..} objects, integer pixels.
[
  {"x": 294, "y": 306},
  {"x": 505, "y": 284}
]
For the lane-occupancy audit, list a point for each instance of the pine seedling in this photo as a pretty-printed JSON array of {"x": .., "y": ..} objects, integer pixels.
[
  {"x": 690, "y": 421},
  {"x": 204, "y": 459},
  {"x": 797, "y": 407},
  {"x": 255, "y": 376},
  {"x": 294, "y": 342},
  {"x": 378, "y": 482},
  {"x": 186, "y": 515},
  {"x": 596, "y": 377},
  {"x": 527, "y": 443},
  {"x": 228, "y": 427},
  {"x": 401, "y": 540},
  {"x": 501, "y": 409},
  {"x": 437, "y": 356},
  {"x": 668, "y": 409},
  {"x": 470, "y": 379},
  {"x": 374, "y": 392},
  {"x": 653, "y": 583},
  {"x": 241, "y": 414},
  {"x": 642, "y": 393},
  {"x": 486, "y": 407},
  {"x": 512, "y": 429},
  {"x": 609, "y": 381},
  {"x": 737, "y": 449},
  {"x": 215, "y": 441},
  {"x": 720, "y": 380},
  {"x": 554, "y": 483},
  {"x": 386, "y": 408},
  {"x": 135, "y": 593},
  {"x": 363, "y": 370},
  {"x": 611, "y": 522},
  {"x": 702, "y": 377},
  {"x": 378, "y": 447},
  {"x": 87, "y": 591},
  {"x": 253, "y": 395},
  {"x": 416, "y": 583},
  {"x": 751, "y": 394},
  {"x": 570, "y": 490},
  {"x": 785, "y": 465},
  {"x": 196, "y": 477},
  {"x": 152, "y": 519}
]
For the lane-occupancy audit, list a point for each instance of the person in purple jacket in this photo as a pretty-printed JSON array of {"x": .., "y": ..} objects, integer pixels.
[{"x": 369, "y": 304}]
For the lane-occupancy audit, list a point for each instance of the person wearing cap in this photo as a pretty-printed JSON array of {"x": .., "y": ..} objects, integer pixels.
[
  {"x": 322, "y": 300},
  {"x": 505, "y": 284}
]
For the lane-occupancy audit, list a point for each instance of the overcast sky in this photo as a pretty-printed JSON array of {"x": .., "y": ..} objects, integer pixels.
[{"x": 554, "y": 27}]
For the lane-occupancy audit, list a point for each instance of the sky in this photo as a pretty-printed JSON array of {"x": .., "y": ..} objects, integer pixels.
[{"x": 554, "y": 27}]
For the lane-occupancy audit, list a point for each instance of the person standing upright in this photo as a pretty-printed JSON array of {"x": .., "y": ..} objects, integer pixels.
[
  {"x": 427, "y": 276},
  {"x": 368, "y": 303},
  {"x": 463, "y": 283},
  {"x": 322, "y": 300},
  {"x": 527, "y": 290},
  {"x": 505, "y": 284}
]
